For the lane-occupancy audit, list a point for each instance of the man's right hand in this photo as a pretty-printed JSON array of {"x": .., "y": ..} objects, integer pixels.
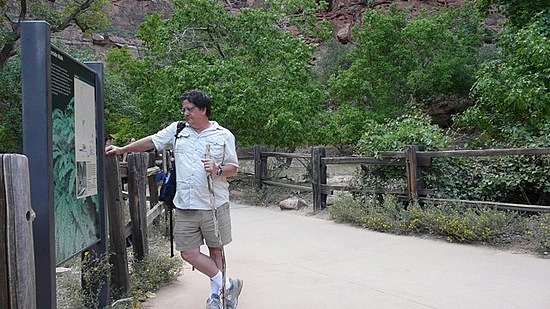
[
  {"x": 140, "y": 145},
  {"x": 113, "y": 150}
]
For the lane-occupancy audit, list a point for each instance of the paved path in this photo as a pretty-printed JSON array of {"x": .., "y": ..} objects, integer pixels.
[{"x": 289, "y": 261}]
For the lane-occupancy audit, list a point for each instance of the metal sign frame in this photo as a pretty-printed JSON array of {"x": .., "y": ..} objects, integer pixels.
[{"x": 36, "y": 69}]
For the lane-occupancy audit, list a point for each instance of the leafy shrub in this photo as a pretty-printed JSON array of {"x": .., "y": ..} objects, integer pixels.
[
  {"x": 146, "y": 276},
  {"x": 153, "y": 272},
  {"x": 454, "y": 222},
  {"x": 414, "y": 128},
  {"x": 95, "y": 270},
  {"x": 512, "y": 179},
  {"x": 464, "y": 224},
  {"x": 347, "y": 209},
  {"x": 384, "y": 216},
  {"x": 411, "y": 129},
  {"x": 538, "y": 233},
  {"x": 79, "y": 286}
]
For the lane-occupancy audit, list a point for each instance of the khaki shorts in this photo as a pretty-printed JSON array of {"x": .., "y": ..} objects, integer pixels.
[{"x": 192, "y": 228}]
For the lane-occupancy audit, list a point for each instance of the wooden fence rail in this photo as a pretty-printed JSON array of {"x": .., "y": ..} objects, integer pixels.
[
  {"x": 414, "y": 158},
  {"x": 17, "y": 270}
]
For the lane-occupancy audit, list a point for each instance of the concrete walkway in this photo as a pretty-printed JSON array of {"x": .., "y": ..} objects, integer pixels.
[{"x": 290, "y": 261}]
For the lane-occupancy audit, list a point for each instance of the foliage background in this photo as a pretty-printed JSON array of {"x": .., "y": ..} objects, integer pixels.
[{"x": 280, "y": 88}]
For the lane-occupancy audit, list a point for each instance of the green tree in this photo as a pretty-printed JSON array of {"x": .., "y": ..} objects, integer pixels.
[
  {"x": 343, "y": 125},
  {"x": 60, "y": 14},
  {"x": 10, "y": 107},
  {"x": 511, "y": 110},
  {"x": 511, "y": 91},
  {"x": 256, "y": 72},
  {"x": 121, "y": 110},
  {"x": 400, "y": 59}
]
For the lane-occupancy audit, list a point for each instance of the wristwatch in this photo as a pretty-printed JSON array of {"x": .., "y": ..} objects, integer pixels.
[{"x": 220, "y": 171}]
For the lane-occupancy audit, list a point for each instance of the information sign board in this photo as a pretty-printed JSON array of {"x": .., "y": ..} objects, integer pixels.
[{"x": 75, "y": 155}]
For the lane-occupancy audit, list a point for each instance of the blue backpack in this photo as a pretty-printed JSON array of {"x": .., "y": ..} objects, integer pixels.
[{"x": 168, "y": 188}]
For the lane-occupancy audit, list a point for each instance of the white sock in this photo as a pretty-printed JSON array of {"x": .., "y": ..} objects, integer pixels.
[{"x": 216, "y": 283}]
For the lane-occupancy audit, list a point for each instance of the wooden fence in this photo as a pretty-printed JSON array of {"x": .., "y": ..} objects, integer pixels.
[
  {"x": 412, "y": 157},
  {"x": 17, "y": 283},
  {"x": 17, "y": 276},
  {"x": 140, "y": 173},
  {"x": 17, "y": 265}
]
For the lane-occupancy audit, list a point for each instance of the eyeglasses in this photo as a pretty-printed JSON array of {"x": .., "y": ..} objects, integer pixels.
[{"x": 188, "y": 110}]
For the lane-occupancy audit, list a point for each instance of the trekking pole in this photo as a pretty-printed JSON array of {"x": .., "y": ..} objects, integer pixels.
[
  {"x": 170, "y": 206},
  {"x": 216, "y": 227},
  {"x": 170, "y": 213}
]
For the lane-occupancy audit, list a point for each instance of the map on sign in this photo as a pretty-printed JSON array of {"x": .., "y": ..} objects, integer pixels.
[{"x": 85, "y": 139}]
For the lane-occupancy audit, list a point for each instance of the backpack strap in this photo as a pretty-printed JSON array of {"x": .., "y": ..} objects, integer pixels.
[{"x": 181, "y": 126}]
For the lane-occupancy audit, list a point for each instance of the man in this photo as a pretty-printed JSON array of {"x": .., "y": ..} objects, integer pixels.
[{"x": 205, "y": 156}]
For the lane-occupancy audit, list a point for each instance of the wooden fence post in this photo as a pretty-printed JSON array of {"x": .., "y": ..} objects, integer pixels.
[
  {"x": 412, "y": 171},
  {"x": 260, "y": 166},
  {"x": 118, "y": 255},
  {"x": 318, "y": 178},
  {"x": 152, "y": 182},
  {"x": 137, "y": 171},
  {"x": 4, "y": 278},
  {"x": 17, "y": 270}
]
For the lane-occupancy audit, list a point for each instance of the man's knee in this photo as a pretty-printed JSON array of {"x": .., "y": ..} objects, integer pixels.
[
  {"x": 189, "y": 255},
  {"x": 215, "y": 250},
  {"x": 216, "y": 255}
]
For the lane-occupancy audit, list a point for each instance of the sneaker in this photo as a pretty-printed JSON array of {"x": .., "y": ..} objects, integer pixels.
[
  {"x": 214, "y": 302},
  {"x": 232, "y": 294}
]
